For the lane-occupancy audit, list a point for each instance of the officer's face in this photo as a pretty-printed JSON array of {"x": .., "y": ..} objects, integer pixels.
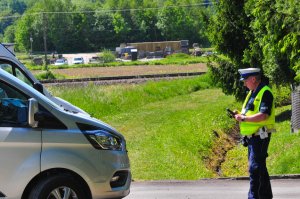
[{"x": 250, "y": 83}]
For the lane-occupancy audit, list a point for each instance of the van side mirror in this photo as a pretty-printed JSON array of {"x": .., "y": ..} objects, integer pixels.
[
  {"x": 39, "y": 87},
  {"x": 33, "y": 108}
]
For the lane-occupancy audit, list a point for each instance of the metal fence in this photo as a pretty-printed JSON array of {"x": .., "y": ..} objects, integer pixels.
[{"x": 295, "y": 120}]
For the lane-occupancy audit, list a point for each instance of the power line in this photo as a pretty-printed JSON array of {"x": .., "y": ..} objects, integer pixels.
[
  {"x": 129, "y": 9},
  {"x": 10, "y": 17},
  {"x": 18, "y": 16},
  {"x": 113, "y": 10}
]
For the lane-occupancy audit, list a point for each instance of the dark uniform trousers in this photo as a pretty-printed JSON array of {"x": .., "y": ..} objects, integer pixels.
[{"x": 260, "y": 186}]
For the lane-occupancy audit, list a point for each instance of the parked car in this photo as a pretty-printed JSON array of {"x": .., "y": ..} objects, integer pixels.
[
  {"x": 78, "y": 60},
  {"x": 59, "y": 62},
  {"x": 95, "y": 60},
  {"x": 168, "y": 51},
  {"x": 51, "y": 148},
  {"x": 127, "y": 52}
]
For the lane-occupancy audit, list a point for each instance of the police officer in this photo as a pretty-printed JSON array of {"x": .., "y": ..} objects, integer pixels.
[{"x": 257, "y": 120}]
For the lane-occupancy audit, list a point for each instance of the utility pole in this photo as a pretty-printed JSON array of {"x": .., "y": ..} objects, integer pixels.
[
  {"x": 31, "y": 41},
  {"x": 45, "y": 38}
]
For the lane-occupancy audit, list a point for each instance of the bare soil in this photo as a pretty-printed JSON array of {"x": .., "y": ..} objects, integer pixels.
[{"x": 129, "y": 70}]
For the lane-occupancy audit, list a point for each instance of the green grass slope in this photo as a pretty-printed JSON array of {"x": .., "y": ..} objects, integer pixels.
[
  {"x": 284, "y": 153},
  {"x": 169, "y": 127}
]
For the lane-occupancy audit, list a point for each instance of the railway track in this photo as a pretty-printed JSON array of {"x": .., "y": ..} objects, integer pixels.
[{"x": 121, "y": 79}]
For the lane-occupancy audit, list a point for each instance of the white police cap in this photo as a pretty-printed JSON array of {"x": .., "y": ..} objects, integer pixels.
[{"x": 247, "y": 72}]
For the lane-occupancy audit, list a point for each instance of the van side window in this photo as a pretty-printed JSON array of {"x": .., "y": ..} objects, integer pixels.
[
  {"x": 12, "y": 69},
  {"x": 13, "y": 107},
  {"x": 22, "y": 77},
  {"x": 14, "y": 110},
  {"x": 6, "y": 67},
  {"x": 7, "y": 91}
]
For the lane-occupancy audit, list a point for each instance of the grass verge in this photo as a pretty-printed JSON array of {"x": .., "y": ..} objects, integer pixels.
[
  {"x": 170, "y": 128},
  {"x": 284, "y": 153},
  {"x": 168, "y": 125}
]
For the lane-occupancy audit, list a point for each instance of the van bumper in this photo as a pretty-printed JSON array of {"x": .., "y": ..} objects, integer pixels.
[
  {"x": 117, "y": 185},
  {"x": 102, "y": 190}
]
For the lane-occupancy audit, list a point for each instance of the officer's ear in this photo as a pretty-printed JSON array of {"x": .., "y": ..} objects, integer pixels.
[
  {"x": 253, "y": 79},
  {"x": 258, "y": 78}
]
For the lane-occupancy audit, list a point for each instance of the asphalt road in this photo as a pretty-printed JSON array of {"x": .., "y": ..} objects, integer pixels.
[{"x": 209, "y": 189}]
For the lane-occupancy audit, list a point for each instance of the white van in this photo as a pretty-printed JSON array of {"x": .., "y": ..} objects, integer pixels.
[{"x": 52, "y": 149}]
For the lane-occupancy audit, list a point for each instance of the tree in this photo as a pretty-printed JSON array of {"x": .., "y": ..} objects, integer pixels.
[
  {"x": 172, "y": 19},
  {"x": 104, "y": 34},
  {"x": 145, "y": 25},
  {"x": 24, "y": 28},
  {"x": 200, "y": 17},
  {"x": 257, "y": 33},
  {"x": 10, "y": 11},
  {"x": 92, "y": 25},
  {"x": 275, "y": 26},
  {"x": 63, "y": 31},
  {"x": 17, "y": 6},
  {"x": 5, "y": 20},
  {"x": 9, "y": 34},
  {"x": 228, "y": 29},
  {"x": 121, "y": 27},
  {"x": 230, "y": 33}
]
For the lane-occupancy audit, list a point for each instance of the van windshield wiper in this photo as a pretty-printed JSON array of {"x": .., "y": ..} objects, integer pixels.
[{"x": 75, "y": 112}]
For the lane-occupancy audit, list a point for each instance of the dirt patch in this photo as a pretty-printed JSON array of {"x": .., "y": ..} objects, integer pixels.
[
  {"x": 128, "y": 70},
  {"x": 224, "y": 141}
]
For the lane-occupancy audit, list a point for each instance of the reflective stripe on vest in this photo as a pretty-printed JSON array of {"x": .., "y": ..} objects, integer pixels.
[{"x": 248, "y": 128}]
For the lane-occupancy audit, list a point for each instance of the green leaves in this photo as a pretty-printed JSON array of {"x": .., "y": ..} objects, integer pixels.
[
  {"x": 87, "y": 25},
  {"x": 230, "y": 33},
  {"x": 275, "y": 27},
  {"x": 228, "y": 29},
  {"x": 258, "y": 33},
  {"x": 120, "y": 25}
]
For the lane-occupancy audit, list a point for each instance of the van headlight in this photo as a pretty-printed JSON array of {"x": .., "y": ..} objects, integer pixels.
[{"x": 102, "y": 139}]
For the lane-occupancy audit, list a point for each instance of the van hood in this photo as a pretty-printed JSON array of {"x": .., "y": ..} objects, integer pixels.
[
  {"x": 67, "y": 106},
  {"x": 80, "y": 115},
  {"x": 89, "y": 120}
]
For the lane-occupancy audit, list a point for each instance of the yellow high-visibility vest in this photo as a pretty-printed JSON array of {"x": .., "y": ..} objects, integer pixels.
[{"x": 249, "y": 128}]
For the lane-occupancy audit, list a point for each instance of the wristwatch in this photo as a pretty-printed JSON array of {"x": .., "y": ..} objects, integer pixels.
[{"x": 243, "y": 118}]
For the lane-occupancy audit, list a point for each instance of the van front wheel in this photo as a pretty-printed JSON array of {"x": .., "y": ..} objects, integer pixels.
[{"x": 60, "y": 186}]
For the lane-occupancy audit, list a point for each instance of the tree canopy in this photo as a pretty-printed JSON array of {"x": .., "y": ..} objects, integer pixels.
[
  {"x": 250, "y": 33},
  {"x": 93, "y": 25},
  {"x": 257, "y": 33}
]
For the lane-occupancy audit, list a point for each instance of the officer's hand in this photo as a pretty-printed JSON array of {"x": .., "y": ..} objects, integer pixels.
[{"x": 238, "y": 117}]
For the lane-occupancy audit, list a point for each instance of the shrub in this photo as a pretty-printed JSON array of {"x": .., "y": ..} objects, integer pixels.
[
  {"x": 45, "y": 75},
  {"x": 179, "y": 56},
  {"x": 108, "y": 56},
  {"x": 282, "y": 95}
]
